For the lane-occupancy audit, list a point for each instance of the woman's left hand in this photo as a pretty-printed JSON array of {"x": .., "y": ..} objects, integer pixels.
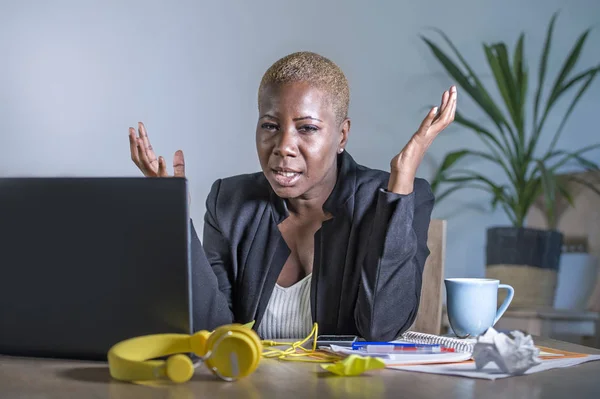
[{"x": 404, "y": 165}]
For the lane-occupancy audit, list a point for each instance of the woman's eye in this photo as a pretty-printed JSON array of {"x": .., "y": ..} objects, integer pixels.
[
  {"x": 308, "y": 128},
  {"x": 269, "y": 126}
]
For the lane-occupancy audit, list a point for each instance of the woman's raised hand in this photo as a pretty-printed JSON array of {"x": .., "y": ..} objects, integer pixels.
[
  {"x": 404, "y": 165},
  {"x": 142, "y": 154}
]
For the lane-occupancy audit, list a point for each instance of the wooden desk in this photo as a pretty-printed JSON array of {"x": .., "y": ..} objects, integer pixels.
[{"x": 44, "y": 378}]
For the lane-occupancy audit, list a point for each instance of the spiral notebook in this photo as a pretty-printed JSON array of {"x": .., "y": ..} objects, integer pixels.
[
  {"x": 458, "y": 344},
  {"x": 463, "y": 350},
  {"x": 464, "y": 345}
]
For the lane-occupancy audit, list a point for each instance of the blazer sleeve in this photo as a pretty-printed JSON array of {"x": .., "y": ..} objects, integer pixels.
[
  {"x": 211, "y": 266},
  {"x": 391, "y": 275}
]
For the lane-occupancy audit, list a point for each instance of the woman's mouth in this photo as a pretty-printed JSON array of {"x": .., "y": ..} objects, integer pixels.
[{"x": 286, "y": 178}]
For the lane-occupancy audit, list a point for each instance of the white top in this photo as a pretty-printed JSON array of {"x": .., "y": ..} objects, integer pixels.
[{"x": 288, "y": 312}]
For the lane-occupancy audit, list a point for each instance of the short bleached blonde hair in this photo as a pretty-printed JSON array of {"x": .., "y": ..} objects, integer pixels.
[{"x": 317, "y": 71}]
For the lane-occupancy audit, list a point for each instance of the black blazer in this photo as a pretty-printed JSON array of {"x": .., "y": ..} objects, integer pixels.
[{"x": 368, "y": 261}]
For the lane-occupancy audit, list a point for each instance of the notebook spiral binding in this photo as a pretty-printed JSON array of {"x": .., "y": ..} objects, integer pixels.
[{"x": 449, "y": 342}]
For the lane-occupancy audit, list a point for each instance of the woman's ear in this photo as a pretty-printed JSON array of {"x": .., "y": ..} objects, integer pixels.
[{"x": 344, "y": 132}]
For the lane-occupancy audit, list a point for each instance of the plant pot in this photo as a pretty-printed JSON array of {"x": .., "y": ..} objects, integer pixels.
[
  {"x": 526, "y": 258},
  {"x": 576, "y": 280}
]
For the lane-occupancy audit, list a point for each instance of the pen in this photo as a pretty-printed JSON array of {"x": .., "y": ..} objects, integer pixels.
[
  {"x": 360, "y": 344},
  {"x": 389, "y": 349}
]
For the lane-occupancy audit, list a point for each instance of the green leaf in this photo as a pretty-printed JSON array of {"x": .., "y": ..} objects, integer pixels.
[
  {"x": 580, "y": 93},
  {"x": 444, "y": 194},
  {"x": 498, "y": 197},
  {"x": 524, "y": 87},
  {"x": 549, "y": 187},
  {"x": 484, "y": 133},
  {"x": 503, "y": 83},
  {"x": 511, "y": 216},
  {"x": 497, "y": 191},
  {"x": 562, "y": 187},
  {"x": 513, "y": 95},
  {"x": 520, "y": 78},
  {"x": 469, "y": 175},
  {"x": 503, "y": 59},
  {"x": 478, "y": 93},
  {"x": 451, "y": 158},
  {"x": 470, "y": 182},
  {"x": 569, "y": 63},
  {"x": 589, "y": 75},
  {"x": 519, "y": 69},
  {"x": 472, "y": 75},
  {"x": 542, "y": 69},
  {"x": 529, "y": 193},
  {"x": 586, "y": 163},
  {"x": 552, "y": 154},
  {"x": 565, "y": 87},
  {"x": 567, "y": 67},
  {"x": 451, "y": 68},
  {"x": 585, "y": 183}
]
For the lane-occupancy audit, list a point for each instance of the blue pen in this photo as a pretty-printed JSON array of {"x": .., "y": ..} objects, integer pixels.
[{"x": 361, "y": 344}]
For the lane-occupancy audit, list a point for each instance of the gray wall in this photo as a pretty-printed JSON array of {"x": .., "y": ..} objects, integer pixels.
[{"x": 75, "y": 75}]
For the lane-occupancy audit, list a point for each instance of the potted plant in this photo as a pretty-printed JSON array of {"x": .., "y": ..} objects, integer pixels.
[{"x": 524, "y": 257}]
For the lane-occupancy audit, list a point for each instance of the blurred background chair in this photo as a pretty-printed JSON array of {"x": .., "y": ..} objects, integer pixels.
[{"x": 429, "y": 316}]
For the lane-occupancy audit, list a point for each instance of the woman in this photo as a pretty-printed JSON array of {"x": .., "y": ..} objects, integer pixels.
[{"x": 314, "y": 236}]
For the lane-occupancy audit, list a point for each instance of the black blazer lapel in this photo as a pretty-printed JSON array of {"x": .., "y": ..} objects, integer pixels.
[{"x": 267, "y": 255}]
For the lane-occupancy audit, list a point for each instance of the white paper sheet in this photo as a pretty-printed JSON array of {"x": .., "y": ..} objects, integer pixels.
[{"x": 491, "y": 371}]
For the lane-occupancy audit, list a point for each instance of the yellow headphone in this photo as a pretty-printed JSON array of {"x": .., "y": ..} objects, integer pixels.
[{"x": 231, "y": 351}]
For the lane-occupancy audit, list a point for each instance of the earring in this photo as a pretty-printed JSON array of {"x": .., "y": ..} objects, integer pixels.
[{"x": 340, "y": 150}]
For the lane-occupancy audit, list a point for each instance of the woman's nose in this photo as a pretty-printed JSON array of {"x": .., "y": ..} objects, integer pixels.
[{"x": 286, "y": 144}]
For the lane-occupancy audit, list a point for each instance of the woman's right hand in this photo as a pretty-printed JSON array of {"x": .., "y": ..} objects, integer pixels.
[{"x": 145, "y": 159}]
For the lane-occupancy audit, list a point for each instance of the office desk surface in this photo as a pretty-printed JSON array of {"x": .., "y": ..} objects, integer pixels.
[{"x": 47, "y": 378}]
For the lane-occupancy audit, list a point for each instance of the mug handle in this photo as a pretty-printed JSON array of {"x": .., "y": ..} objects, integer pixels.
[{"x": 507, "y": 301}]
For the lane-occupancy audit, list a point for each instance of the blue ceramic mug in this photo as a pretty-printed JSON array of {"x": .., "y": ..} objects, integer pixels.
[{"x": 472, "y": 302}]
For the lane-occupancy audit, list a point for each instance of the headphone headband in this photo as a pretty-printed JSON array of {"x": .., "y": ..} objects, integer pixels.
[{"x": 231, "y": 351}]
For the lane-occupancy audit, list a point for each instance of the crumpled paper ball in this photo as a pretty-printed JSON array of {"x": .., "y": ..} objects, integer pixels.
[{"x": 512, "y": 356}]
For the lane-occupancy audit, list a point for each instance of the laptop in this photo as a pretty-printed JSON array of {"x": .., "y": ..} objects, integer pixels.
[{"x": 88, "y": 262}]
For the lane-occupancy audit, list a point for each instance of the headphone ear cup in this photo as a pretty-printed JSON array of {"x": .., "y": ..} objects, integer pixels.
[
  {"x": 235, "y": 351},
  {"x": 179, "y": 368},
  {"x": 256, "y": 347}
]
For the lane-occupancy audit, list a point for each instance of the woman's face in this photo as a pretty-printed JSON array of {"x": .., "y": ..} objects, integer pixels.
[{"x": 298, "y": 139}]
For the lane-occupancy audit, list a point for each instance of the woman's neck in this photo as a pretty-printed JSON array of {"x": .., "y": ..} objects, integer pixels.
[
  {"x": 310, "y": 205},
  {"x": 307, "y": 208}
]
